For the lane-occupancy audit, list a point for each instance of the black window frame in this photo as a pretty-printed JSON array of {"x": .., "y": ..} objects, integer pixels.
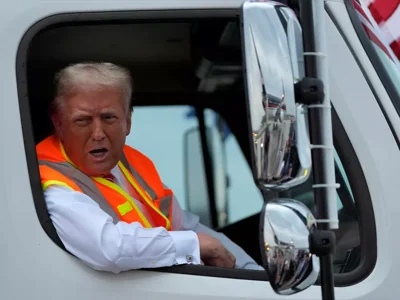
[{"x": 351, "y": 165}]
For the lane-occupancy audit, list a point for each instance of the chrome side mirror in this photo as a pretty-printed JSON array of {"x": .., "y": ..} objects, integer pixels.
[
  {"x": 285, "y": 245},
  {"x": 273, "y": 63},
  {"x": 280, "y": 146}
]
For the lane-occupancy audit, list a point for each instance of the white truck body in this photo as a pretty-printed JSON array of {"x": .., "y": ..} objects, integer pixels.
[{"x": 33, "y": 267}]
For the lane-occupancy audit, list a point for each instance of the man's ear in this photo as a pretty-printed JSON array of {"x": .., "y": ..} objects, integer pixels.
[
  {"x": 56, "y": 120},
  {"x": 129, "y": 122}
]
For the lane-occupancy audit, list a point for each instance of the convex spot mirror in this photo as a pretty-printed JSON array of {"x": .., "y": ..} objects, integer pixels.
[
  {"x": 286, "y": 225},
  {"x": 273, "y": 63}
]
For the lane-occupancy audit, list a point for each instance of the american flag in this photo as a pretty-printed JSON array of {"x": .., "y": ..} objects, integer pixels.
[{"x": 386, "y": 14}]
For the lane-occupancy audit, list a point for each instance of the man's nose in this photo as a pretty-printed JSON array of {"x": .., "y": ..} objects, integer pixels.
[{"x": 98, "y": 131}]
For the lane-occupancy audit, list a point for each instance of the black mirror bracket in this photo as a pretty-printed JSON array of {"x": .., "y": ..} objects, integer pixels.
[
  {"x": 309, "y": 91},
  {"x": 322, "y": 242},
  {"x": 323, "y": 245}
]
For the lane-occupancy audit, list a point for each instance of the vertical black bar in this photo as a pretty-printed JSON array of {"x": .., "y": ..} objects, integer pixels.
[
  {"x": 208, "y": 167},
  {"x": 314, "y": 114},
  {"x": 315, "y": 119}
]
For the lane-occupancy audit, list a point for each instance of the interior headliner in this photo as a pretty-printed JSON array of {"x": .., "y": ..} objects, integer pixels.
[
  {"x": 160, "y": 56},
  {"x": 181, "y": 62}
]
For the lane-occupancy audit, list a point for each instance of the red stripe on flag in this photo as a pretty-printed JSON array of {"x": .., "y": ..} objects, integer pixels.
[
  {"x": 358, "y": 7},
  {"x": 376, "y": 40},
  {"x": 395, "y": 45},
  {"x": 381, "y": 10}
]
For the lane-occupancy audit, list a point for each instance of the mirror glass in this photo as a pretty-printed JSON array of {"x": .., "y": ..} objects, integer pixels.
[
  {"x": 196, "y": 182},
  {"x": 286, "y": 225},
  {"x": 273, "y": 64}
]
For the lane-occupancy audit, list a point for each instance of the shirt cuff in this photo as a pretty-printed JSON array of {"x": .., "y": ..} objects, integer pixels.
[{"x": 187, "y": 247}]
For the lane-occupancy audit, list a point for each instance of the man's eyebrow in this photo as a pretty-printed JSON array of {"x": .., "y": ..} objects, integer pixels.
[
  {"x": 108, "y": 111},
  {"x": 80, "y": 114}
]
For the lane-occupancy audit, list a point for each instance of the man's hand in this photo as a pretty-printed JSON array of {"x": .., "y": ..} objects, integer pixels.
[{"x": 213, "y": 253}]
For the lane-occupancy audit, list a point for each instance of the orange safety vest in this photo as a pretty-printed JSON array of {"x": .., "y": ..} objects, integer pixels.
[{"x": 57, "y": 169}]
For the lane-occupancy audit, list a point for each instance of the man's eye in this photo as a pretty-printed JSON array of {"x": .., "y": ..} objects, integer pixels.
[{"x": 81, "y": 121}]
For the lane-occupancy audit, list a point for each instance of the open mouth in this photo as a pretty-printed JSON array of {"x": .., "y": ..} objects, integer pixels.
[{"x": 99, "y": 152}]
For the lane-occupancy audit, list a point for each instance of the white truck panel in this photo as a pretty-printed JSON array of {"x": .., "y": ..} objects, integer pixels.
[{"x": 33, "y": 267}]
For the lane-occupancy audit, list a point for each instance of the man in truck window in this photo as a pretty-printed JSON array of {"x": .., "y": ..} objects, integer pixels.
[{"x": 106, "y": 199}]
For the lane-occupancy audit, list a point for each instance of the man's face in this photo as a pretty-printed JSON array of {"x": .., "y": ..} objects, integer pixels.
[{"x": 92, "y": 127}]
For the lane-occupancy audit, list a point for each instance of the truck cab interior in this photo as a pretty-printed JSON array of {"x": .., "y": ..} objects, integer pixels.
[{"x": 177, "y": 58}]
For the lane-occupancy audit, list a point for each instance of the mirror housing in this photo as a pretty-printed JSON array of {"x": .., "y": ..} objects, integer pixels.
[
  {"x": 279, "y": 139},
  {"x": 273, "y": 63},
  {"x": 280, "y": 145},
  {"x": 286, "y": 227}
]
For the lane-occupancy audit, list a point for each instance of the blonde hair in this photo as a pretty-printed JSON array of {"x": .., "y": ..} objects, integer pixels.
[{"x": 91, "y": 76}]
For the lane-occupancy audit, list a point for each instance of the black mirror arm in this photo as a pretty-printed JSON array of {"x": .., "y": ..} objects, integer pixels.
[
  {"x": 310, "y": 91},
  {"x": 313, "y": 93}
]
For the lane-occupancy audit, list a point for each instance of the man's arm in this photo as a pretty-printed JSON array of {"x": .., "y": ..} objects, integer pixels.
[
  {"x": 243, "y": 260},
  {"x": 90, "y": 234},
  {"x": 184, "y": 220}
]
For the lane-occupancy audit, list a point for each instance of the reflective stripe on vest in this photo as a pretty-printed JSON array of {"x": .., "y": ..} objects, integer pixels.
[
  {"x": 139, "y": 178},
  {"x": 88, "y": 187},
  {"x": 149, "y": 195},
  {"x": 84, "y": 182}
]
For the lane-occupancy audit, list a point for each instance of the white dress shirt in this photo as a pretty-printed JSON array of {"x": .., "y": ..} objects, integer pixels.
[{"x": 90, "y": 234}]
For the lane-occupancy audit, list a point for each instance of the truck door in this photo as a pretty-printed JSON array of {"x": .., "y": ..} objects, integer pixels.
[{"x": 180, "y": 58}]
